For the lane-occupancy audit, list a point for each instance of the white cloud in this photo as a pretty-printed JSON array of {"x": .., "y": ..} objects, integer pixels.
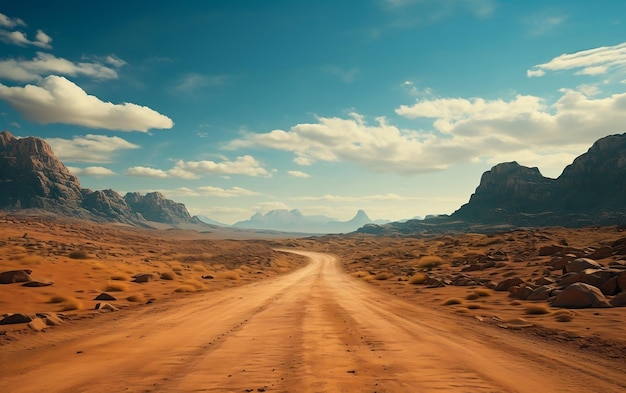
[
  {"x": 465, "y": 130},
  {"x": 46, "y": 64},
  {"x": 298, "y": 174},
  {"x": 58, "y": 100},
  {"x": 96, "y": 171},
  {"x": 6, "y": 21},
  {"x": 244, "y": 165},
  {"x": 89, "y": 148},
  {"x": 594, "y": 61},
  {"x": 225, "y": 193},
  {"x": 542, "y": 24}
]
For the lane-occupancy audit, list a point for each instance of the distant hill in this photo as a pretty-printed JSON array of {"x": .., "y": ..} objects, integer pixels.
[
  {"x": 210, "y": 221},
  {"x": 31, "y": 177},
  {"x": 590, "y": 191},
  {"x": 295, "y": 221}
]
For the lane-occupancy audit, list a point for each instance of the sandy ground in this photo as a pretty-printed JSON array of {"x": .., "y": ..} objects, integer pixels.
[{"x": 346, "y": 318}]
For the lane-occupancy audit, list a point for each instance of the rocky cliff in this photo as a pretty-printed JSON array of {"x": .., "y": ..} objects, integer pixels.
[
  {"x": 590, "y": 191},
  {"x": 31, "y": 177}
]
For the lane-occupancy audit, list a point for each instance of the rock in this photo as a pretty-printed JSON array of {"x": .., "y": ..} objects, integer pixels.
[
  {"x": 144, "y": 277},
  {"x": 520, "y": 292},
  {"x": 208, "y": 277},
  {"x": 104, "y": 296},
  {"x": 508, "y": 283},
  {"x": 619, "y": 300},
  {"x": 621, "y": 282},
  {"x": 609, "y": 287},
  {"x": 36, "y": 284},
  {"x": 15, "y": 318},
  {"x": 589, "y": 276},
  {"x": 544, "y": 281},
  {"x": 14, "y": 276},
  {"x": 105, "y": 307},
  {"x": 550, "y": 250},
  {"x": 155, "y": 207},
  {"x": 541, "y": 293},
  {"x": 580, "y": 295},
  {"x": 51, "y": 319},
  {"x": 580, "y": 264},
  {"x": 601, "y": 253},
  {"x": 37, "y": 324}
]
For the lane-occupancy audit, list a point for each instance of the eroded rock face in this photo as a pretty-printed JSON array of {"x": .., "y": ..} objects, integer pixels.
[
  {"x": 32, "y": 177},
  {"x": 155, "y": 207}
]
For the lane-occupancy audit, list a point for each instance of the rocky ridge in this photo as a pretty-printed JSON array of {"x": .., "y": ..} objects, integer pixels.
[{"x": 31, "y": 177}]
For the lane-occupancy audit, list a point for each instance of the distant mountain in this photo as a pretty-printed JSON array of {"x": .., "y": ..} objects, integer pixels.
[
  {"x": 294, "y": 221},
  {"x": 31, "y": 177},
  {"x": 210, "y": 221},
  {"x": 590, "y": 191}
]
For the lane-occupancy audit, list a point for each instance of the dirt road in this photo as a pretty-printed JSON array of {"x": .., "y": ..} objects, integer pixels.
[{"x": 314, "y": 330}]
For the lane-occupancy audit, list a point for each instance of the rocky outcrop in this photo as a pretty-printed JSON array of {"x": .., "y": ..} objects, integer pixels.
[{"x": 31, "y": 177}]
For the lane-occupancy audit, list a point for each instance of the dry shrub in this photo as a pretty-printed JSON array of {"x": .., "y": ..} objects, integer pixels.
[
  {"x": 483, "y": 292},
  {"x": 66, "y": 303},
  {"x": 185, "y": 288},
  {"x": 199, "y": 268},
  {"x": 452, "y": 301},
  {"x": 417, "y": 278},
  {"x": 30, "y": 260},
  {"x": 429, "y": 262},
  {"x": 537, "y": 309},
  {"x": 57, "y": 299},
  {"x": 472, "y": 296},
  {"x": 79, "y": 254},
  {"x": 382, "y": 276},
  {"x": 563, "y": 316},
  {"x": 115, "y": 286},
  {"x": 120, "y": 277},
  {"x": 474, "y": 306},
  {"x": 136, "y": 298},
  {"x": 167, "y": 275}
]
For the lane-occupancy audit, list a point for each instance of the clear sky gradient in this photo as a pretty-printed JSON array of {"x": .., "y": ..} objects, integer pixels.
[{"x": 233, "y": 107}]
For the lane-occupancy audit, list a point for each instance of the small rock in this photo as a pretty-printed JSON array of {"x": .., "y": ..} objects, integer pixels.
[
  {"x": 105, "y": 307},
  {"x": 37, "y": 284},
  {"x": 508, "y": 283},
  {"x": 144, "y": 277},
  {"x": 13, "y": 276},
  {"x": 104, "y": 296},
  {"x": 580, "y": 264},
  {"x": 37, "y": 324},
  {"x": 51, "y": 319},
  {"x": 15, "y": 318},
  {"x": 208, "y": 277}
]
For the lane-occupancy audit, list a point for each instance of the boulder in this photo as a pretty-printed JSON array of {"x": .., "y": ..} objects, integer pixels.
[
  {"x": 580, "y": 295},
  {"x": 104, "y": 296},
  {"x": 619, "y": 300},
  {"x": 601, "y": 253},
  {"x": 15, "y": 318},
  {"x": 541, "y": 293},
  {"x": 508, "y": 283},
  {"x": 609, "y": 287},
  {"x": 37, "y": 324},
  {"x": 621, "y": 281},
  {"x": 580, "y": 264},
  {"x": 13, "y": 276},
  {"x": 544, "y": 281}
]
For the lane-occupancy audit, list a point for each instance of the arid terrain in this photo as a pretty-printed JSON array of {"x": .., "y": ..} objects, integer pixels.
[{"x": 198, "y": 312}]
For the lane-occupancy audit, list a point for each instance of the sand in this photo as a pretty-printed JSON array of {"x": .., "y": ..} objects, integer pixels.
[{"x": 277, "y": 321}]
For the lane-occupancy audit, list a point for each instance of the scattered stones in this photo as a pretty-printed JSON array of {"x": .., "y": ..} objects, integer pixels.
[
  {"x": 580, "y": 295},
  {"x": 580, "y": 264},
  {"x": 104, "y": 296},
  {"x": 14, "y": 276},
  {"x": 51, "y": 319}
]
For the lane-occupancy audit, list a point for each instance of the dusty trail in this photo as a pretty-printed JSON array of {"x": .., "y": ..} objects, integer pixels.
[{"x": 314, "y": 330}]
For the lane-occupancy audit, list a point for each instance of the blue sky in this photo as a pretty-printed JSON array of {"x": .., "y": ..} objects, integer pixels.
[{"x": 232, "y": 107}]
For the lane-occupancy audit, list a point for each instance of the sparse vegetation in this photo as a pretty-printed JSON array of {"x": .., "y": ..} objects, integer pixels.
[
  {"x": 66, "y": 303},
  {"x": 563, "y": 316},
  {"x": 483, "y": 292},
  {"x": 136, "y": 298},
  {"x": 537, "y": 309},
  {"x": 167, "y": 275},
  {"x": 472, "y": 296},
  {"x": 452, "y": 301},
  {"x": 429, "y": 262},
  {"x": 79, "y": 254},
  {"x": 417, "y": 279},
  {"x": 120, "y": 277},
  {"x": 115, "y": 286}
]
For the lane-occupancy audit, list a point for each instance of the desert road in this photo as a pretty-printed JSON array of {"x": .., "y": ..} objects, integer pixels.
[{"x": 314, "y": 330}]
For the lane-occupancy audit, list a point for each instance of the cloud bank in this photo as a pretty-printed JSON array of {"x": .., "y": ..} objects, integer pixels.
[
  {"x": 594, "y": 61},
  {"x": 244, "y": 165},
  {"x": 89, "y": 148}
]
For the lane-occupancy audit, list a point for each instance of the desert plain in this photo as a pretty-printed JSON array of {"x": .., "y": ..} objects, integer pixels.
[{"x": 188, "y": 311}]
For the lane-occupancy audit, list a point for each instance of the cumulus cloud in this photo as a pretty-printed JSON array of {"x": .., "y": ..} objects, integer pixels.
[
  {"x": 57, "y": 100},
  {"x": 464, "y": 130},
  {"x": 45, "y": 64},
  {"x": 95, "y": 171},
  {"x": 298, "y": 174},
  {"x": 89, "y": 148},
  {"x": 15, "y": 37},
  {"x": 244, "y": 165},
  {"x": 10, "y": 23},
  {"x": 594, "y": 61}
]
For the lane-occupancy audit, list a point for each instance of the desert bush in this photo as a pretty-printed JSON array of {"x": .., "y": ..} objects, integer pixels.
[
  {"x": 417, "y": 278},
  {"x": 66, "y": 303},
  {"x": 563, "y": 316},
  {"x": 429, "y": 262},
  {"x": 228, "y": 275},
  {"x": 30, "y": 260},
  {"x": 120, "y": 277},
  {"x": 452, "y": 301},
  {"x": 472, "y": 296},
  {"x": 136, "y": 298},
  {"x": 474, "y": 306},
  {"x": 79, "y": 254},
  {"x": 537, "y": 309},
  {"x": 167, "y": 275},
  {"x": 57, "y": 299},
  {"x": 115, "y": 286},
  {"x": 483, "y": 292}
]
